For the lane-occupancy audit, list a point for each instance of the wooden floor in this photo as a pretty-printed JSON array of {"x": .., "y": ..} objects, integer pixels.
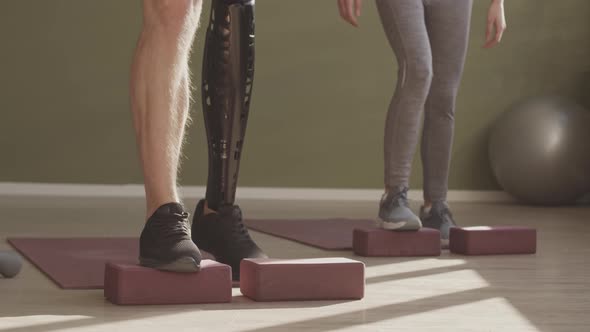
[{"x": 549, "y": 291}]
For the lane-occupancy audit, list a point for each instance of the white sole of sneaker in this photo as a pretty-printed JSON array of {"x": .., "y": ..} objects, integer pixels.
[{"x": 402, "y": 225}]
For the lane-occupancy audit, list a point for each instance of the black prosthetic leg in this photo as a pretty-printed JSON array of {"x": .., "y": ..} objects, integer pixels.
[{"x": 228, "y": 73}]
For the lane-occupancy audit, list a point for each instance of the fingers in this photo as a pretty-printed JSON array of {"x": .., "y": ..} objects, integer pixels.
[
  {"x": 492, "y": 39},
  {"x": 489, "y": 33},
  {"x": 500, "y": 31},
  {"x": 358, "y": 5},
  {"x": 491, "y": 43},
  {"x": 342, "y": 9},
  {"x": 351, "y": 12},
  {"x": 348, "y": 10}
]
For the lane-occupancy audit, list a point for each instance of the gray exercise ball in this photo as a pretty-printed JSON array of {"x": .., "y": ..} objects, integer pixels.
[
  {"x": 540, "y": 151},
  {"x": 10, "y": 264}
]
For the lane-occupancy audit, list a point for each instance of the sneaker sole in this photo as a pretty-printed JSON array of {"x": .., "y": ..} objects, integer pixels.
[
  {"x": 444, "y": 243},
  {"x": 184, "y": 264},
  {"x": 402, "y": 225}
]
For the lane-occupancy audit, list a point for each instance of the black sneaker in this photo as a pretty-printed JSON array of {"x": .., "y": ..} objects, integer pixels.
[
  {"x": 165, "y": 242},
  {"x": 439, "y": 217},
  {"x": 224, "y": 235}
]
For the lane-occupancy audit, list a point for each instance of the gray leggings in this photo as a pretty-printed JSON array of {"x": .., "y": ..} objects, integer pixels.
[{"x": 429, "y": 39}]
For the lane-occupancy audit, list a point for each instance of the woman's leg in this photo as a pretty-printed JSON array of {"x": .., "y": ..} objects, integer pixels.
[
  {"x": 404, "y": 25},
  {"x": 448, "y": 28}
]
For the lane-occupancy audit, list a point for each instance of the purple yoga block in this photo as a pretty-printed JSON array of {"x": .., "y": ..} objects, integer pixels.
[
  {"x": 302, "y": 279},
  {"x": 498, "y": 240},
  {"x": 386, "y": 243},
  {"x": 127, "y": 284}
]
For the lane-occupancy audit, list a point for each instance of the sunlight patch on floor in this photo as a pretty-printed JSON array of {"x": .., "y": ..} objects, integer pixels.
[
  {"x": 23, "y": 322},
  {"x": 462, "y": 317},
  {"x": 414, "y": 288},
  {"x": 392, "y": 268}
]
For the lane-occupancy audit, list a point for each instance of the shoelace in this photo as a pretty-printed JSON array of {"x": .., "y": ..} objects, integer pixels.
[
  {"x": 401, "y": 198},
  {"x": 239, "y": 229},
  {"x": 173, "y": 229},
  {"x": 444, "y": 214}
]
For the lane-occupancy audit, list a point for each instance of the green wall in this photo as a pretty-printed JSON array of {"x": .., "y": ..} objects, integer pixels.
[{"x": 320, "y": 95}]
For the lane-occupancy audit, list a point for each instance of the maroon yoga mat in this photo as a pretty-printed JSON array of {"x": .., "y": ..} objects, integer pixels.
[
  {"x": 329, "y": 234},
  {"x": 77, "y": 263}
]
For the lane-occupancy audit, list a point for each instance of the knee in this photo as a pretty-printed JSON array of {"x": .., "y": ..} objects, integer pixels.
[
  {"x": 444, "y": 90},
  {"x": 417, "y": 76},
  {"x": 421, "y": 72},
  {"x": 442, "y": 99},
  {"x": 171, "y": 13}
]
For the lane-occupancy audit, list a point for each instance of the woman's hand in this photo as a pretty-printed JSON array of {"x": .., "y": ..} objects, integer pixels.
[
  {"x": 350, "y": 10},
  {"x": 496, "y": 23}
]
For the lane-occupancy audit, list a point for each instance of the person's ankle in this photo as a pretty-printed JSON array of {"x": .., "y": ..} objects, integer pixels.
[
  {"x": 428, "y": 204},
  {"x": 396, "y": 189},
  {"x": 153, "y": 205}
]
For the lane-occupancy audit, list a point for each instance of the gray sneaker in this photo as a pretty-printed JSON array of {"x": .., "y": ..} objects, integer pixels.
[
  {"x": 395, "y": 214},
  {"x": 439, "y": 217}
]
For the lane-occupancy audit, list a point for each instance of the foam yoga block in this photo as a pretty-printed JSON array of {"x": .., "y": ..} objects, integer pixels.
[
  {"x": 10, "y": 264},
  {"x": 484, "y": 240},
  {"x": 134, "y": 284},
  {"x": 302, "y": 279},
  {"x": 380, "y": 242}
]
